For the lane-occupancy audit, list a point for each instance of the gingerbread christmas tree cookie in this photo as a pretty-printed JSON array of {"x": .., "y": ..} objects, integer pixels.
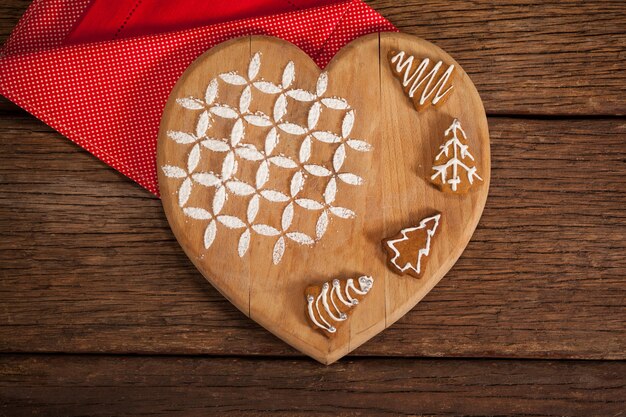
[
  {"x": 425, "y": 82},
  {"x": 454, "y": 164},
  {"x": 408, "y": 250},
  {"x": 328, "y": 305}
]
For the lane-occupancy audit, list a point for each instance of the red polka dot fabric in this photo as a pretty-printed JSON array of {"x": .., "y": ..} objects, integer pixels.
[{"x": 108, "y": 96}]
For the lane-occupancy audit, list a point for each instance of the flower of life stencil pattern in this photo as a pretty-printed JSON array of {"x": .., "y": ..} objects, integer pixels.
[{"x": 292, "y": 201}]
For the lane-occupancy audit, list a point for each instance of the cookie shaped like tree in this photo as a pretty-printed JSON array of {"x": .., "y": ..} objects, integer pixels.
[
  {"x": 455, "y": 170},
  {"x": 408, "y": 250}
]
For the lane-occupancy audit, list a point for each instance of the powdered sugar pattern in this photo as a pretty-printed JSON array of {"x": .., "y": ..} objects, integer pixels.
[{"x": 235, "y": 149}]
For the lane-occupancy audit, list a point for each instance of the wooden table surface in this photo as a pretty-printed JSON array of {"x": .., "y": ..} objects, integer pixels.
[{"x": 101, "y": 313}]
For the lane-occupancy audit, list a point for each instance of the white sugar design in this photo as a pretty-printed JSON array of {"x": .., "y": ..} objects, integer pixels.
[{"x": 234, "y": 149}]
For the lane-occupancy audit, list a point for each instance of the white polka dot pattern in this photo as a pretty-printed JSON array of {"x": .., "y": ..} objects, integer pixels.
[{"x": 108, "y": 96}]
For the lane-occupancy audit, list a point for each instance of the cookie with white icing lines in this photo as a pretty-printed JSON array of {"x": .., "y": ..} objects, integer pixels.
[
  {"x": 455, "y": 167},
  {"x": 328, "y": 305},
  {"x": 423, "y": 80},
  {"x": 409, "y": 250}
]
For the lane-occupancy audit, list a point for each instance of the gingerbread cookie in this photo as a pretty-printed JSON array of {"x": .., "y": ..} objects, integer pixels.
[
  {"x": 328, "y": 305},
  {"x": 454, "y": 171},
  {"x": 408, "y": 250},
  {"x": 422, "y": 82}
]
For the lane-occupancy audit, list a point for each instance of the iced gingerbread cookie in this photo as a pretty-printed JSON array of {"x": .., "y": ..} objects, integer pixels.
[
  {"x": 454, "y": 164},
  {"x": 425, "y": 83},
  {"x": 408, "y": 250},
  {"x": 328, "y": 305}
]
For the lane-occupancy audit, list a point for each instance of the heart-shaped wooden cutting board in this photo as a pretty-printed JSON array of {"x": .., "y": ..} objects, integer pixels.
[{"x": 300, "y": 193}]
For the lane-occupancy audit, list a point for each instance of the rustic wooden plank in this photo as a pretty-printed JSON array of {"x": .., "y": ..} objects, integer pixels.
[
  {"x": 174, "y": 386},
  {"x": 10, "y": 13},
  {"x": 526, "y": 57},
  {"x": 539, "y": 57},
  {"x": 88, "y": 263}
]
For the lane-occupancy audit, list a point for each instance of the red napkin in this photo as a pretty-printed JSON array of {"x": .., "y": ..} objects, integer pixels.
[{"x": 100, "y": 72}]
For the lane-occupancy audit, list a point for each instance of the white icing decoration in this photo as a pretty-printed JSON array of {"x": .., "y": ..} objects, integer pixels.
[
  {"x": 202, "y": 140},
  {"x": 425, "y": 251},
  {"x": 324, "y": 309},
  {"x": 460, "y": 152},
  {"x": 419, "y": 77}
]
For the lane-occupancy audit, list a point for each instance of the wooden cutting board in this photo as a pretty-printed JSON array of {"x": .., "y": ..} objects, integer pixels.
[{"x": 267, "y": 206}]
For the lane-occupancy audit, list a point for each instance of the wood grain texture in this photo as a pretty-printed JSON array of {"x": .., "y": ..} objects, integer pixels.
[
  {"x": 539, "y": 57},
  {"x": 525, "y": 57},
  {"x": 175, "y": 386},
  {"x": 88, "y": 264}
]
